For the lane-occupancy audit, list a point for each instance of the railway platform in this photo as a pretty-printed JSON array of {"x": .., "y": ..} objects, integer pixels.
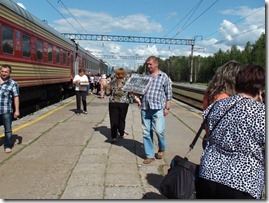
[{"x": 60, "y": 155}]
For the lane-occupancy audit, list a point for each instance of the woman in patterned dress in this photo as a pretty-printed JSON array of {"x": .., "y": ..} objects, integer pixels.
[
  {"x": 232, "y": 165},
  {"x": 118, "y": 104}
]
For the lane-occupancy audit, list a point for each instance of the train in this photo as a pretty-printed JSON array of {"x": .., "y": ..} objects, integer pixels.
[{"x": 44, "y": 62}]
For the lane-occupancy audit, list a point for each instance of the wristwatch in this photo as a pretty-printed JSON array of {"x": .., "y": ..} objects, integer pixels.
[{"x": 167, "y": 108}]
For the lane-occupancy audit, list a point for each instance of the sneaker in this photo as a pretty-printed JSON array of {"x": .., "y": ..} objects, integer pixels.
[
  {"x": 8, "y": 150},
  {"x": 85, "y": 112}
]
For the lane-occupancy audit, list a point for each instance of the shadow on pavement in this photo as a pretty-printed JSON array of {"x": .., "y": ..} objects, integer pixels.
[{"x": 104, "y": 130}]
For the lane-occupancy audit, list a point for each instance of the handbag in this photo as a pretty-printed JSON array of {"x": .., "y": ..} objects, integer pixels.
[{"x": 181, "y": 179}]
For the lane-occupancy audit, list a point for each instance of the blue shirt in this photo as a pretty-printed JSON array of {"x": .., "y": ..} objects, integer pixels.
[
  {"x": 8, "y": 90},
  {"x": 235, "y": 153},
  {"x": 159, "y": 91}
]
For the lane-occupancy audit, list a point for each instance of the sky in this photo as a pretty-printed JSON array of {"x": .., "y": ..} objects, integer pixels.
[{"x": 214, "y": 24}]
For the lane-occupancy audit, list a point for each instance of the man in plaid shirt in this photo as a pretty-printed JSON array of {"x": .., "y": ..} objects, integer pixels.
[
  {"x": 9, "y": 95},
  {"x": 155, "y": 104}
]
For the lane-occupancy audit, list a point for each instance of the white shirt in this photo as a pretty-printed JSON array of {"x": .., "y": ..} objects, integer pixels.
[{"x": 83, "y": 78}]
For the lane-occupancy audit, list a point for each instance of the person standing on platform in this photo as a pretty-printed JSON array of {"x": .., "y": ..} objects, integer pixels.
[
  {"x": 81, "y": 83},
  {"x": 155, "y": 104},
  {"x": 221, "y": 86},
  {"x": 232, "y": 166},
  {"x": 88, "y": 73},
  {"x": 118, "y": 104},
  {"x": 97, "y": 79},
  {"x": 91, "y": 83},
  {"x": 103, "y": 84},
  {"x": 9, "y": 97}
]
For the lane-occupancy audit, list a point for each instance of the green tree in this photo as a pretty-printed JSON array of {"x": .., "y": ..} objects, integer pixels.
[{"x": 259, "y": 51}]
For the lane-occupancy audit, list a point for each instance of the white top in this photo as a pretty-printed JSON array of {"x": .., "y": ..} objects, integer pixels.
[{"x": 78, "y": 87}]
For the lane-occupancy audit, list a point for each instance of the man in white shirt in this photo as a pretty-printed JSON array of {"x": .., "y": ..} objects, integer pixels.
[{"x": 81, "y": 83}]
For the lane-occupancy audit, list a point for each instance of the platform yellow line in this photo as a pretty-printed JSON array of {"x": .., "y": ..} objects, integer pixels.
[{"x": 38, "y": 119}]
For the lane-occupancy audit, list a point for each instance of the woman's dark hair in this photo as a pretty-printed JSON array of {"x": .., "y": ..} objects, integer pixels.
[
  {"x": 81, "y": 70},
  {"x": 250, "y": 80}
]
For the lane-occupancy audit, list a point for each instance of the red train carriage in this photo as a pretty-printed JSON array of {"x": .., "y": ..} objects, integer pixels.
[{"x": 43, "y": 60}]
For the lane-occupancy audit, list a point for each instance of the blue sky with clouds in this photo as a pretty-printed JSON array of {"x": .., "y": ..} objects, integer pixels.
[{"x": 216, "y": 24}]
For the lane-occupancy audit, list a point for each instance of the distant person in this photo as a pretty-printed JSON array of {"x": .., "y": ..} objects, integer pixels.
[
  {"x": 9, "y": 96},
  {"x": 118, "y": 104},
  {"x": 155, "y": 104},
  {"x": 221, "y": 86},
  {"x": 91, "y": 84},
  {"x": 81, "y": 82},
  {"x": 232, "y": 165},
  {"x": 97, "y": 85},
  {"x": 103, "y": 83},
  {"x": 88, "y": 73}
]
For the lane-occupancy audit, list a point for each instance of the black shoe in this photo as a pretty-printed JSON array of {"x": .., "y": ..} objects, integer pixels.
[{"x": 113, "y": 140}]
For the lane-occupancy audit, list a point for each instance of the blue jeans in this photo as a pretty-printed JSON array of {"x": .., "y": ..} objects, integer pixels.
[
  {"x": 153, "y": 121},
  {"x": 6, "y": 120}
]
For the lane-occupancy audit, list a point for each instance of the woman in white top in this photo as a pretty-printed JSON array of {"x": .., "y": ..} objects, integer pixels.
[{"x": 81, "y": 82}]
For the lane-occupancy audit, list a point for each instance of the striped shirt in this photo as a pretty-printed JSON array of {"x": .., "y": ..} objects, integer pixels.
[
  {"x": 159, "y": 91},
  {"x": 8, "y": 90}
]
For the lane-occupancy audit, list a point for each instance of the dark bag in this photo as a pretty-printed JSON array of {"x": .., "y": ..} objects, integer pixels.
[{"x": 180, "y": 182}]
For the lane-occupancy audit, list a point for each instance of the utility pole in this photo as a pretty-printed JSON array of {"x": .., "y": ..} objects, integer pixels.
[
  {"x": 192, "y": 46},
  {"x": 191, "y": 72}
]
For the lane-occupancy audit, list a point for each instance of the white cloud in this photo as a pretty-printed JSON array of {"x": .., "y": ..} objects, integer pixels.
[
  {"x": 249, "y": 27},
  {"x": 103, "y": 23}
]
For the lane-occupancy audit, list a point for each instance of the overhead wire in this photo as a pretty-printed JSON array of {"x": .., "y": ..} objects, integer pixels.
[
  {"x": 191, "y": 12},
  {"x": 233, "y": 36},
  {"x": 66, "y": 18},
  {"x": 62, "y": 15},
  {"x": 235, "y": 22},
  {"x": 196, "y": 18},
  {"x": 72, "y": 16},
  {"x": 195, "y": 7}
]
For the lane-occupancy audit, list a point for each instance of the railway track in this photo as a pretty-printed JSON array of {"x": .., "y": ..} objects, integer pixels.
[{"x": 189, "y": 94}]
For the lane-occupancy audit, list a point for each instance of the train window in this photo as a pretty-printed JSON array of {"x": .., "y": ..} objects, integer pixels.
[
  {"x": 64, "y": 57},
  {"x": 57, "y": 55},
  {"x": 68, "y": 58},
  {"x": 39, "y": 50},
  {"x": 49, "y": 53},
  {"x": 26, "y": 47},
  {"x": 7, "y": 40}
]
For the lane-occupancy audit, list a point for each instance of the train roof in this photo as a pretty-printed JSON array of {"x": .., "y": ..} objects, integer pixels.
[{"x": 27, "y": 15}]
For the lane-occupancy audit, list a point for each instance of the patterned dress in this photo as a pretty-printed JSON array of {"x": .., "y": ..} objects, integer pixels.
[{"x": 235, "y": 153}]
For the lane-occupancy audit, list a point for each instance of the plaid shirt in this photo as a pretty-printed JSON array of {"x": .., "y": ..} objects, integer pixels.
[
  {"x": 8, "y": 90},
  {"x": 159, "y": 91}
]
